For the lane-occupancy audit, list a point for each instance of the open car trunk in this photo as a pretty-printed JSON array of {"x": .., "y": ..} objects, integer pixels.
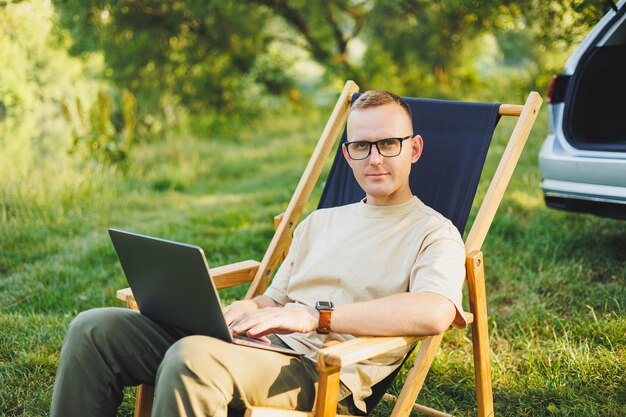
[{"x": 595, "y": 116}]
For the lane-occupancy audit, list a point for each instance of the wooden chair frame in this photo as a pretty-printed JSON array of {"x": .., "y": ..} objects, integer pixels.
[{"x": 331, "y": 359}]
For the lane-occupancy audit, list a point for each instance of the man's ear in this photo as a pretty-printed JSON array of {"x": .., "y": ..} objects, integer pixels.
[
  {"x": 417, "y": 144},
  {"x": 345, "y": 155}
]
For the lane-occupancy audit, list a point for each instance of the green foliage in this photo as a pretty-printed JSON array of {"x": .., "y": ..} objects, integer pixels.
[
  {"x": 39, "y": 181},
  {"x": 35, "y": 68},
  {"x": 458, "y": 48},
  {"x": 106, "y": 132},
  {"x": 214, "y": 55},
  {"x": 184, "y": 52}
]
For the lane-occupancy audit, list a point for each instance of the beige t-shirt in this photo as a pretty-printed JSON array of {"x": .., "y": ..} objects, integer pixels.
[{"x": 361, "y": 252}]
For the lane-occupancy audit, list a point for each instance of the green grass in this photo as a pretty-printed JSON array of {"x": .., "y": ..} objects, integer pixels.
[{"x": 555, "y": 280}]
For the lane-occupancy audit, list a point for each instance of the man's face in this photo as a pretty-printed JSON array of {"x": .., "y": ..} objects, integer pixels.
[{"x": 385, "y": 180}]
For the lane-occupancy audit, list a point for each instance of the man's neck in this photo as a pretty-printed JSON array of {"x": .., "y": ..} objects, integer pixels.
[{"x": 389, "y": 201}]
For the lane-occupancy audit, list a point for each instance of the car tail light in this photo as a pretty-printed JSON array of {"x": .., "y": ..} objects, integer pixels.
[{"x": 556, "y": 90}]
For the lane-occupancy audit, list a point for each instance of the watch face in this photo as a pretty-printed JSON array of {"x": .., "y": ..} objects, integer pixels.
[{"x": 324, "y": 305}]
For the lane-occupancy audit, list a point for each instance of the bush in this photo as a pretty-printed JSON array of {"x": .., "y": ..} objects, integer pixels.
[{"x": 105, "y": 133}]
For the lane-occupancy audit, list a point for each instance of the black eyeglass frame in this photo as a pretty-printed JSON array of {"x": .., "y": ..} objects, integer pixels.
[{"x": 375, "y": 143}]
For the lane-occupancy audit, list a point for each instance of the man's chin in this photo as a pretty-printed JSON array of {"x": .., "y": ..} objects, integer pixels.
[
  {"x": 376, "y": 188},
  {"x": 377, "y": 193}
]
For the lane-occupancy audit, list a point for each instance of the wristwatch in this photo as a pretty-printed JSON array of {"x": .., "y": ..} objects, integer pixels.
[{"x": 325, "y": 309}]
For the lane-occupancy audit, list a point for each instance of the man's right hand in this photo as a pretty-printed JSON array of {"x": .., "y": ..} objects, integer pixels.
[{"x": 237, "y": 308}]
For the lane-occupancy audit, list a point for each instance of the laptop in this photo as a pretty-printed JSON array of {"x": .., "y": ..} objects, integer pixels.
[{"x": 171, "y": 284}]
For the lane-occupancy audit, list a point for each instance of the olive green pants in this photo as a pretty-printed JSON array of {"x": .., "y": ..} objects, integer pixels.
[{"x": 107, "y": 349}]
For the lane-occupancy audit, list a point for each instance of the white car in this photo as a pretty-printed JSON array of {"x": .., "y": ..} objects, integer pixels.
[{"x": 583, "y": 158}]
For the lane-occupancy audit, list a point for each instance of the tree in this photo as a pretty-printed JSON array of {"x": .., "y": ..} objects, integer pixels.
[
  {"x": 200, "y": 54},
  {"x": 36, "y": 75},
  {"x": 194, "y": 53},
  {"x": 204, "y": 53}
]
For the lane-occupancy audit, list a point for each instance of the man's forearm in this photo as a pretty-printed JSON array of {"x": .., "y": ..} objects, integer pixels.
[{"x": 407, "y": 314}]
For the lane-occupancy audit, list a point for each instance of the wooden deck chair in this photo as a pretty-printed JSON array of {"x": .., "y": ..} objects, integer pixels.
[{"x": 455, "y": 153}]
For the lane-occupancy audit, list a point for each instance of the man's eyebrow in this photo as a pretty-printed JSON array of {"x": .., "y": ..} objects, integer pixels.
[{"x": 376, "y": 140}]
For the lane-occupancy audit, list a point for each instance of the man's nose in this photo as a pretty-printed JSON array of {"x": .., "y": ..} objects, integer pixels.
[{"x": 375, "y": 157}]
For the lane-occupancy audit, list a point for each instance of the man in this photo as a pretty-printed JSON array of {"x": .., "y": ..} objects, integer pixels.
[{"x": 389, "y": 264}]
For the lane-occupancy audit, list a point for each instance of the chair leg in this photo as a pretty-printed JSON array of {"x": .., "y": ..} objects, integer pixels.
[
  {"x": 327, "y": 391},
  {"x": 388, "y": 398},
  {"x": 143, "y": 400},
  {"x": 414, "y": 381},
  {"x": 482, "y": 369},
  {"x": 480, "y": 335}
]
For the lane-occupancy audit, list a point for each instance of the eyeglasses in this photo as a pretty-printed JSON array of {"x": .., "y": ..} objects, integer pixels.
[{"x": 388, "y": 147}]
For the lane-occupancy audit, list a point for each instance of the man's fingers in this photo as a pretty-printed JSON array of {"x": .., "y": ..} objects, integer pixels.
[
  {"x": 244, "y": 324},
  {"x": 257, "y": 324},
  {"x": 230, "y": 316},
  {"x": 227, "y": 316},
  {"x": 272, "y": 320},
  {"x": 259, "y": 333},
  {"x": 237, "y": 309}
]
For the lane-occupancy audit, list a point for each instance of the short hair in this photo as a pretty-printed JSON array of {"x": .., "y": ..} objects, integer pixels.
[{"x": 375, "y": 98}]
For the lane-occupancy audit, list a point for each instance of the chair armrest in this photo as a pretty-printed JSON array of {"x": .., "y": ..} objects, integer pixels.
[
  {"x": 126, "y": 295},
  {"x": 238, "y": 273},
  {"x": 336, "y": 354},
  {"x": 360, "y": 349},
  {"x": 224, "y": 277}
]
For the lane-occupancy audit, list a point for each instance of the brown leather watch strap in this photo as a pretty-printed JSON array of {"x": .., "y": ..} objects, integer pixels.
[{"x": 324, "y": 323}]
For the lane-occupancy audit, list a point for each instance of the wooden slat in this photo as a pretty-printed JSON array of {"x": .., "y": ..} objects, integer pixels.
[
  {"x": 143, "y": 400},
  {"x": 327, "y": 392},
  {"x": 510, "y": 109},
  {"x": 234, "y": 274},
  {"x": 277, "y": 219},
  {"x": 338, "y": 347},
  {"x": 288, "y": 239},
  {"x": 415, "y": 379},
  {"x": 480, "y": 333},
  {"x": 503, "y": 174},
  {"x": 366, "y": 347},
  {"x": 418, "y": 407},
  {"x": 361, "y": 349},
  {"x": 126, "y": 295},
  {"x": 430, "y": 411},
  {"x": 279, "y": 243}
]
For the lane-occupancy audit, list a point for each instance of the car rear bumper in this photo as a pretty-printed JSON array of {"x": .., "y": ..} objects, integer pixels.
[
  {"x": 602, "y": 200},
  {"x": 582, "y": 191},
  {"x": 586, "y": 184},
  {"x": 565, "y": 166}
]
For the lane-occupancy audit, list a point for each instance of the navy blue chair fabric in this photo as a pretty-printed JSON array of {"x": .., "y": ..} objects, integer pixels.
[{"x": 456, "y": 137}]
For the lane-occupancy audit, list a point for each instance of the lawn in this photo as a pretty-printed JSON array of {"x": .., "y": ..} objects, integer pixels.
[{"x": 555, "y": 280}]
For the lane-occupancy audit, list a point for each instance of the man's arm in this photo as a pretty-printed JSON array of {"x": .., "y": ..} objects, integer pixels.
[{"x": 407, "y": 314}]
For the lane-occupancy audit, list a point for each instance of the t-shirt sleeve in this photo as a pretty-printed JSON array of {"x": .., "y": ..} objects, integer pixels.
[
  {"x": 278, "y": 290},
  {"x": 440, "y": 269}
]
